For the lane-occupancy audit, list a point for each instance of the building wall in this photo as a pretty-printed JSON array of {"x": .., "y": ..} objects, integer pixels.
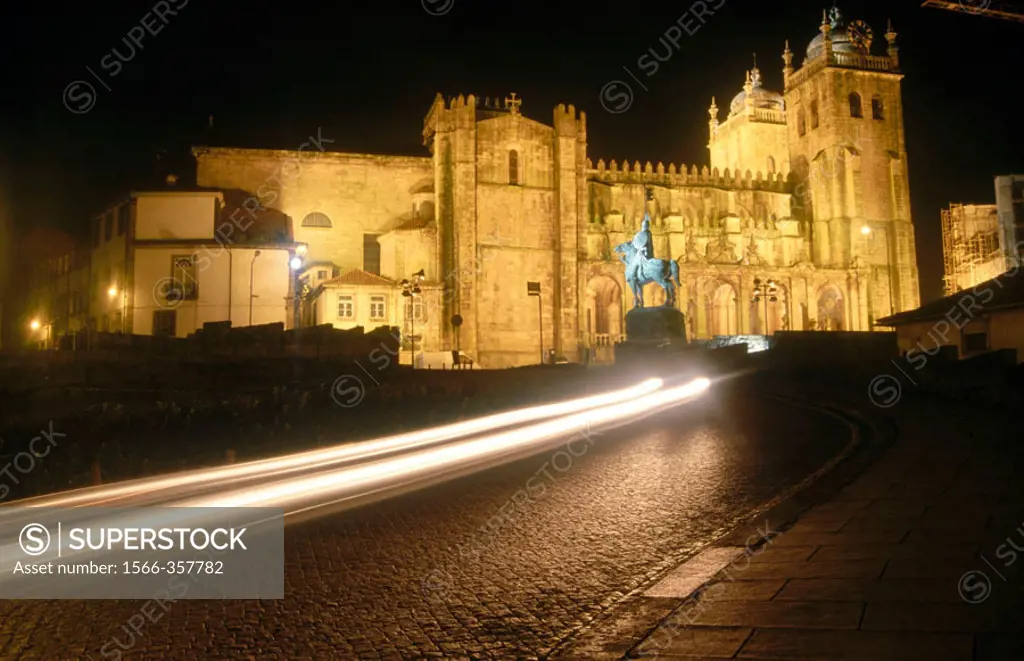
[
  {"x": 1010, "y": 206},
  {"x": 176, "y": 215},
  {"x": 1006, "y": 331},
  {"x": 223, "y": 286},
  {"x": 405, "y": 252},
  {"x": 741, "y": 143},
  {"x": 108, "y": 269},
  {"x": 361, "y": 194}
]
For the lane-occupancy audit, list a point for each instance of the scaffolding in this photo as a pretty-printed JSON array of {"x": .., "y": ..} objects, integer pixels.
[
  {"x": 991, "y": 8},
  {"x": 971, "y": 245}
]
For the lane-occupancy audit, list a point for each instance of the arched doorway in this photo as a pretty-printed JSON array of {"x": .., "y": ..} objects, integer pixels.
[
  {"x": 831, "y": 309},
  {"x": 723, "y": 311},
  {"x": 604, "y": 317}
]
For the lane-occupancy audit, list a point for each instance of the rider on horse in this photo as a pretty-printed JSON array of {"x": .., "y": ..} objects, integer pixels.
[{"x": 643, "y": 241}]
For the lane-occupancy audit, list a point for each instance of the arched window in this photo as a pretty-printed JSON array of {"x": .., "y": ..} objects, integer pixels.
[
  {"x": 771, "y": 165},
  {"x": 814, "y": 114},
  {"x": 513, "y": 167},
  {"x": 877, "y": 108},
  {"x": 317, "y": 219},
  {"x": 855, "y": 105},
  {"x": 801, "y": 123}
]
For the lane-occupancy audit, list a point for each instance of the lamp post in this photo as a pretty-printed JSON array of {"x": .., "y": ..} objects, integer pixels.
[
  {"x": 533, "y": 289},
  {"x": 410, "y": 290},
  {"x": 295, "y": 263},
  {"x": 252, "y": 266},
  {"x": 768, "y": 291},
  {"x": 867, "y": 231}
]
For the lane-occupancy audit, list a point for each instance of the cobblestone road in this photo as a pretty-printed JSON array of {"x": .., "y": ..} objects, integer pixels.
[{"x": 502, "y": 564}]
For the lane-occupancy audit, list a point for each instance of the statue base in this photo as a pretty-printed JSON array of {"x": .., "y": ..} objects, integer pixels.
[
  {"x": 657, "y": 325},
  {"x": 655, "y": 341}
]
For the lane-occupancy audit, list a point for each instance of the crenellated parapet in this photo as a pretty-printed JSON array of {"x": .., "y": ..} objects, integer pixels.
[
  {"x": 672, "y": 176},
  {"x": 567, "y": 121}
]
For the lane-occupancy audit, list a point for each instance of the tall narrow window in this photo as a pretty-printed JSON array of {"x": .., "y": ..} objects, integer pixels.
[
  {"x": 371, "y": 254},
  {"x": 801, "y": 123},
  {"x": 108, "y": 226},
  {"x": 771, "y": 165},
  {"x": 122, "y": 218},
  {"x": 513, "y": 167},
  {"x": 185, "y": 277},
  {"x": 855, "y": 105},
  {"x": 877, "y": 108},
  {"x": 814, "y": 115}
]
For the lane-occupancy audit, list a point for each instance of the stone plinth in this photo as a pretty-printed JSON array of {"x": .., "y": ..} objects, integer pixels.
[{"x": 655, "y": 325}]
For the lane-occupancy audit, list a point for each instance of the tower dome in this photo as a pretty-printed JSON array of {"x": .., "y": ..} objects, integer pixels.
[
  {"x": 763, "y": 98},
  {"x": 843, "y": 38}
]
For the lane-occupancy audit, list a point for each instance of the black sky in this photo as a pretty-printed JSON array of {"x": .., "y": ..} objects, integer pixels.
[{"x": 366, "y": 73}]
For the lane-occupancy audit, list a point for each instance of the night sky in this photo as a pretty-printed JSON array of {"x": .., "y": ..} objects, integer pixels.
[{"x": 366, "y": 73}]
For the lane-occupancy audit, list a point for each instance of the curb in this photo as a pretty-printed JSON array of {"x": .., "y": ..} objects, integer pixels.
[{"x": 619, "y": 633}]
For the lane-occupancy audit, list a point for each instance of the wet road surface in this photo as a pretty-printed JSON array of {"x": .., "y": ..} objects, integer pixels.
[{"x": 503, "y": 564}]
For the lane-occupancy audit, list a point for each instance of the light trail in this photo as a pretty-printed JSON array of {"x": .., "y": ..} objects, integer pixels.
[
  {"x": 373, "y": 478},
  {"x": 159, "y": 488},
  {"x": 379, "y": 478}
]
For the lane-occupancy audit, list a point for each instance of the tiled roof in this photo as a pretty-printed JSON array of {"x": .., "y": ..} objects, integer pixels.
[
  {"x": 1004, "y": 291},
  {"x": 359, "y": 277}
]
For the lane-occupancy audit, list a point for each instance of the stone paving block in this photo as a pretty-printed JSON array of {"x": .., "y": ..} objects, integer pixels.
[
  {"x": 927, "y": 567},
  {"x": 893, "y": 508},
  {"x": 822, "y": 569},
  {"x": 772, "y": 553},
  {"x": 965, "y": 551},
  {"x": 836, "y": 509},
  {"x": 623, "y": 631},
  {"x": 953, "y": 618},
  {"x": 695, "y": 572},
  {"x": 819, "y": 525},
  {"x": 870, "y": 589},
  {"x": 780, "y": 645},
  {"x": 727, "y": 590},
  {"x": 839, "y": 538},
  {"x": 694, "y": 641},
  {"x": 773, "y": 614}
]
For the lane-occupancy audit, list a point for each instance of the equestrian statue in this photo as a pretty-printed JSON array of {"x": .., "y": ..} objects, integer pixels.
[{"x": 642, "y": 268}]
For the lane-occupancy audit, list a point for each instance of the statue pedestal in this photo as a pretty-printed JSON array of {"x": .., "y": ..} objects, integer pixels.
[
  {"x": 655, "y": 341},
  {"x": 658, "y": 325}
]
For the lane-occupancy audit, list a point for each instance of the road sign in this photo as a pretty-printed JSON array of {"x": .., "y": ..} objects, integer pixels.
[{"x": 533, "y": 288}]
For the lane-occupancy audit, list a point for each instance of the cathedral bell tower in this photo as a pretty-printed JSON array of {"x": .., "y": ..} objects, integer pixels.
[{"x": 847, "y": 150}]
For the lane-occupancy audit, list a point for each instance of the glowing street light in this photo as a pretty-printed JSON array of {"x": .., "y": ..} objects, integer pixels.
[
  {"x": 35, "y": 324},
  {"x": 112, "y": 292},
  {"x": 295, "y": 263}
]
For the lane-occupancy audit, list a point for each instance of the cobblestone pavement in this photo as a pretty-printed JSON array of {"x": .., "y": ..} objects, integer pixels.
[
  {"x": 918, "y": 558},
  {"x": 502, "y": 564}
]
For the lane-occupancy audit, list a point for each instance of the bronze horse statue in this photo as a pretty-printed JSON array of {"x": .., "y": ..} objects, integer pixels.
[{"x": 665, "y": 272}]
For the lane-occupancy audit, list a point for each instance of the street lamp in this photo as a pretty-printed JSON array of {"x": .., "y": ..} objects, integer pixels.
[
  {"x": 35, "y": 324},
  {"x": 252, "y": 266},
  {"x": 410, "y": 290},
  {"x": 768, "y": 291},
  {"x": 296, "y": 263},
  {"x": 867, "y": 231}
]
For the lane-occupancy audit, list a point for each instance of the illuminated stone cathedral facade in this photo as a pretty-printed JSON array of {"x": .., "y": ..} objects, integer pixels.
[{"x": 807, "y": 188}]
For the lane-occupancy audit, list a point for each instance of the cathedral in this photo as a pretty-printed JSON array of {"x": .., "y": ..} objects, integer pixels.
[{"x": 806, "y": 189}]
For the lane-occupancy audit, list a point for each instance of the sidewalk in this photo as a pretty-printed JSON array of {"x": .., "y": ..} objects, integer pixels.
[{"x": 916, "y": 558}]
